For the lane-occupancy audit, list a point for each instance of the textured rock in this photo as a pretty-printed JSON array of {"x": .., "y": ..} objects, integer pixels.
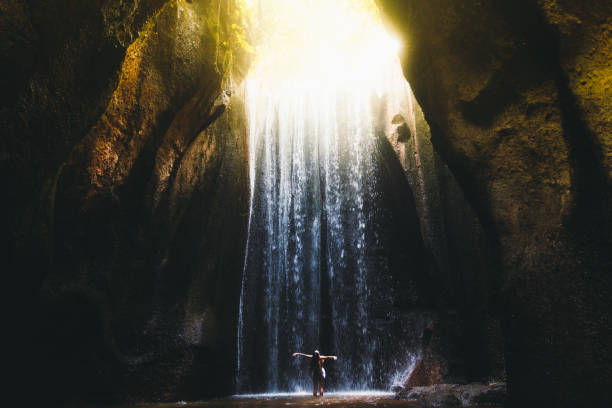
[
  {"x": 517, "y": 95},
  {"x": 463, "y": 342},
  {"x": 125, "y": 159},
  {"x": 453, "y": 395}
]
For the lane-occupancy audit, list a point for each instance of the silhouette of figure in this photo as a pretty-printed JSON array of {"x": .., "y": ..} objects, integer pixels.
[{"x": 318, "y": 372}]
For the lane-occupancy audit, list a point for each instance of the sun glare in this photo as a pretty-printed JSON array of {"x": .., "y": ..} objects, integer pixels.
[{"x": 319, "y": 41}]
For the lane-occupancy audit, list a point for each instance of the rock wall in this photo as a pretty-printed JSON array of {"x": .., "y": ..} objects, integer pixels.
[
  {"x": 463, "y": 342},
  {"x": 517, "y": 95},
  {"x": 124, "y": 155}
]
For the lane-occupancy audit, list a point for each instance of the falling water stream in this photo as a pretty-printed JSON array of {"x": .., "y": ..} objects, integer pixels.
[{"x": 317, "y": 268}]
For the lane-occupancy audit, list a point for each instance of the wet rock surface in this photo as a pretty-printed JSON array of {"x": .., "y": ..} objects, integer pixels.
[
  {"x": 456, "y": 395},
  {"x": 359, "y": 400},
  {"x": 462, "y": 341},
  {"x": 272, "y": 401},
  {"x": 124, "y": 153},
  {"x": 512, "y": 92}
]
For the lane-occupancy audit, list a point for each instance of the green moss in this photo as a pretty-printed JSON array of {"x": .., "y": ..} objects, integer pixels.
[{"x": 227, "y": 23}]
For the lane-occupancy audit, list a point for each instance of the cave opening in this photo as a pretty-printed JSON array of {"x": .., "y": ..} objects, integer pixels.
[{"x": 341, "y": 246}]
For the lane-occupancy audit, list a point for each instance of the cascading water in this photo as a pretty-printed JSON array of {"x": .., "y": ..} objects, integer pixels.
[{"x": 320, "y": 271}]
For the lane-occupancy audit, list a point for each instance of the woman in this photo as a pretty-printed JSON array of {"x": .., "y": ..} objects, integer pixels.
[{"x": 318, "y": 372}]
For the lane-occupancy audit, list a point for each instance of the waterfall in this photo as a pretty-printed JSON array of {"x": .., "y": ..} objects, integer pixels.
[
  {"x": 316, "y": 271},
  {"x": 331, "y": 245}
]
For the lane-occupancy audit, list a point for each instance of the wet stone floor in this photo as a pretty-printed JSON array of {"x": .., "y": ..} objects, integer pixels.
[{"x": 297, "y": 401}]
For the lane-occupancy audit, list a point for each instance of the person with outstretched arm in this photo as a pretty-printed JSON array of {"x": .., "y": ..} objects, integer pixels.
[{"x": 318, "y": 372}]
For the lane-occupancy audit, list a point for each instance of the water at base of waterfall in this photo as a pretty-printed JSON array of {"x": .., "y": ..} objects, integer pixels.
[
  {"x": 342, "y": 394},
  {"x": 338, "y": 400}
]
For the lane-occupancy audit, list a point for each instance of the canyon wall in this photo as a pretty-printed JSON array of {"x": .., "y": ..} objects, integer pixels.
[
  {"x": 124, "y": 159},
  {"x": 517, "y": 95},
  {"x": 463, "y": 343}
]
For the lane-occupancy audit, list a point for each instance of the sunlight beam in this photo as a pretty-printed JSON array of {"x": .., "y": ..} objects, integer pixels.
[{"x": 315, "y": 43}]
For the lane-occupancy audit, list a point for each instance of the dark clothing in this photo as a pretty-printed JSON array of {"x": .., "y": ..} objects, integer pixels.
[
  {"x": 316, "y": 367},
  {"x": 317, "y": 374}
]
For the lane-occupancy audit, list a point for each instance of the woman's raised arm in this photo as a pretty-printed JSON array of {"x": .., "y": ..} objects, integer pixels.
[
  {"x": 302, "y": 354},
  {"x": 329, "y": 357}
]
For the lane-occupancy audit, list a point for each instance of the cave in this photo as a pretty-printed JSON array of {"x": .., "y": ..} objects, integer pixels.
[{"x": 197, "y": 189}]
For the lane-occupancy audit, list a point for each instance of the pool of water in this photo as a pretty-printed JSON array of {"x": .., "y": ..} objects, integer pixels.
[
  {"x": 332, "y": 399},
  {"x": 294, "y": 400}
]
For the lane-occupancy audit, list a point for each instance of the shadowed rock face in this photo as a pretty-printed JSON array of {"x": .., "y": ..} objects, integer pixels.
[
  {"x": 514, "y": 93},
  {"x": 124, "y": 159},
  {"x": 463, "y": 342}
]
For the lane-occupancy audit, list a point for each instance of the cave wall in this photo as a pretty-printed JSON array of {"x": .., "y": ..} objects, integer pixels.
[
  {"x": 517, "y": 96},
  {"x": 124, "y": 156},
  {"x": 464, "y": 342}
]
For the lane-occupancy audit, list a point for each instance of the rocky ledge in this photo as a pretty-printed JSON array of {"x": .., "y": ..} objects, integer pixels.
[{"x": 455, "y": 395}]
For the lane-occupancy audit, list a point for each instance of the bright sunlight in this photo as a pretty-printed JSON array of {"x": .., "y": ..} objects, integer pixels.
[{"x": 316, "y": 42}]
